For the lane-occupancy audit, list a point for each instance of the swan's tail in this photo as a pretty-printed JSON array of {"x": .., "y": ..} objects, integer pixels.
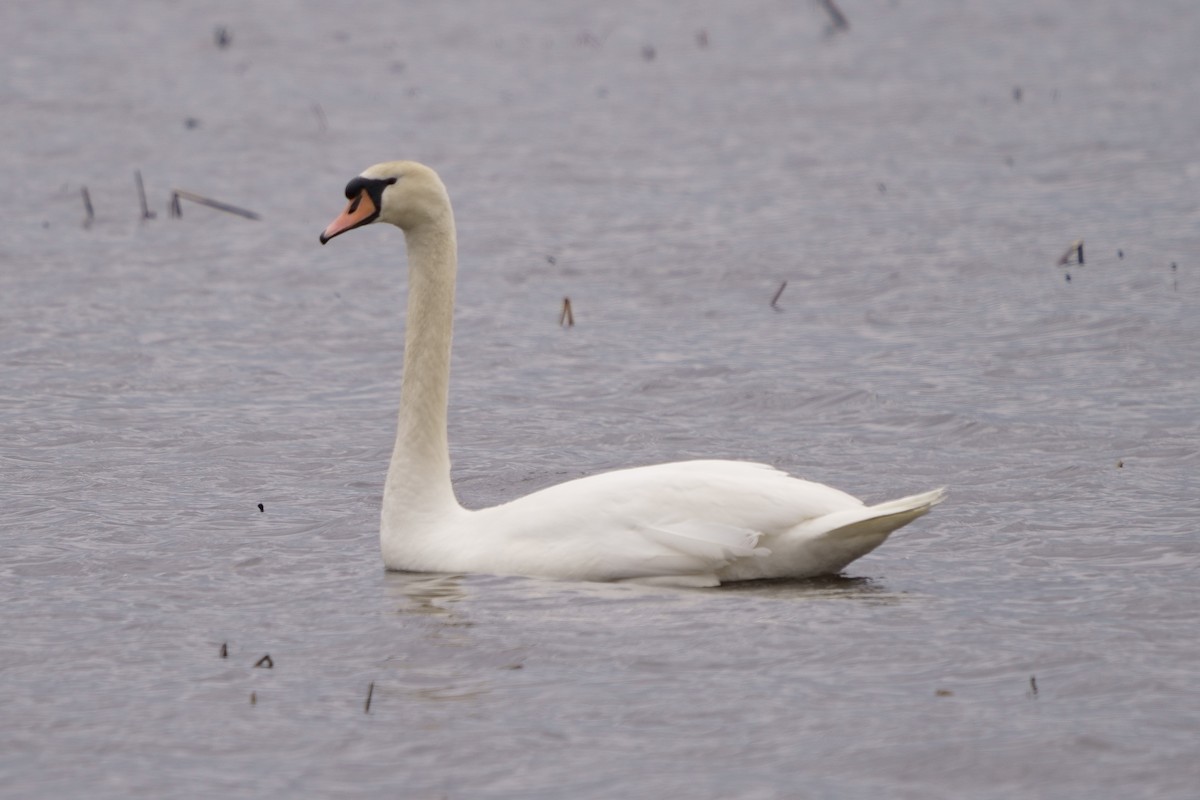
[{"x": 834, "y": 540}]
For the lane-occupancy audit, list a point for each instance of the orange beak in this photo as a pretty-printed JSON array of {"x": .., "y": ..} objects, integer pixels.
[{"x": 360, "y": 211}]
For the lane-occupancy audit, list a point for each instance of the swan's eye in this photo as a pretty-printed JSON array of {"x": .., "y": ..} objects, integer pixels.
[{"x": 354, "y": 204}]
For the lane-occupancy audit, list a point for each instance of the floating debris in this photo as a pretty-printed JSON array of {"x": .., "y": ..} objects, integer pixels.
[
  {"x": 1175, "y": 275},
  {"x": 1075, "y": 251},
  {"x": 566, "y": 318},
  {"x": 222, "y": 37},
  {"x": 1120, "y": 463},
  {"x": 551, "y": 260},
  {"x": 224, "y": 650},
  {"x": 778, "y": 294},
  {"x": 944, "y": 693},
  {"x": 837, "y": 20},
  {"x": 1120, "y": 254},
  {"x": 260, "y": 507},
  {"x": 90, "y": 215},
  {"x": 176, "y": 211},
  {"x": 253, "y": 698},
  {"x": 265, "y": 661},
  {"x": 1033, "y": 690},
  {"x": 1017, "y": 94},
  {"x": 370, "y": 692},
  {"x": 141, "y": 187}
]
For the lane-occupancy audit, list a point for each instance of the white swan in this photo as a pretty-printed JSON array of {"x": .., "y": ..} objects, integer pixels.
[{"x": 691, "y": 523}]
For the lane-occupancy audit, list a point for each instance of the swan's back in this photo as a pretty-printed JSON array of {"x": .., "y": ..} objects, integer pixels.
[{"x": 692, "y": 523}]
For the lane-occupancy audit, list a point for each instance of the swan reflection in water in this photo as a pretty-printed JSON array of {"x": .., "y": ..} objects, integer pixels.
[{"x": 426, "y": 593}]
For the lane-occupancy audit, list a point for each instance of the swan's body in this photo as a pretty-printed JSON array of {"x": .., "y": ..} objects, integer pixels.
[{"x": 690, "y": 523}]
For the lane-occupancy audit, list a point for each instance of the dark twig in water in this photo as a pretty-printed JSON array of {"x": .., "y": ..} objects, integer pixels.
[
  {"x": 265, "y": 661},
  {"x": 1075, "y": 251},
  {"x": 1033, "y": 690},
  {"x": 207, "y": 201},
  {"x": 87, "y": 207},
  {"x": 837, "y": 20},
  {"x": 146, "y": 212},
  {"x": 173, "y": 208},
  {"x": 778, "y": 294},
  {"x": 566, "y": 318},
  {"x": 1175, "y": 275},
  {"x": 370, "y": 692},
  {"x": 224, "y": 650}
]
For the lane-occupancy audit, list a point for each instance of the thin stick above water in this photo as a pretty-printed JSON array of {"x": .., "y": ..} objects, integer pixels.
[
  {"x": 87, "y": 207},
  {"x": 837, "y": 20},
  {"x": 146, "y": 212},
  {"x": 177, "y": 194},
  {"x": 778, "y": 294},
  {"x": 1074, "y": 251}
]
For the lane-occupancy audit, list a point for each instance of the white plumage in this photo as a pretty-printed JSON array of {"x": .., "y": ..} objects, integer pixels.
[{"x": 690, "y": 523}]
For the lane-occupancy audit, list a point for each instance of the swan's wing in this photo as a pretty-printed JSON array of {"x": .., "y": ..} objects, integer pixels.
[{"x": 685, "y": 519}]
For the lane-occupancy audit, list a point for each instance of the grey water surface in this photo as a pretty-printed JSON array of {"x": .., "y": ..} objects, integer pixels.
[{"x": 667, "y": 166}]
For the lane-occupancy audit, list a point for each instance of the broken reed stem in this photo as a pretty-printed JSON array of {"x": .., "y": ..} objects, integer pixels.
[
  {"x": 1074, "y": 251},
  {"x": 778, "y": 294},
  {"x": 837, "y": 19},
  {"x": 173, "y": 208},
  {"x": 146, "y": 212},
  {"x": 87, "y": 207},
  {"x": 370, "y": 691},
  {"x": 566, "y": 318},
  {"x": 265, "y": 661},
  {"x": 207, "y": 201},
  {"x": 224, "y": 650}
]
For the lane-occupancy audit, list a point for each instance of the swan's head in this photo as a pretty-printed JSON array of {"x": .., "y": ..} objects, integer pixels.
[{"x": 404, "y": 193}]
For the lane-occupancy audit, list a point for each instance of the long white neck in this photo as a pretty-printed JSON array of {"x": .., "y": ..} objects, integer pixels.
[{"x": 418, "y": 479}]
